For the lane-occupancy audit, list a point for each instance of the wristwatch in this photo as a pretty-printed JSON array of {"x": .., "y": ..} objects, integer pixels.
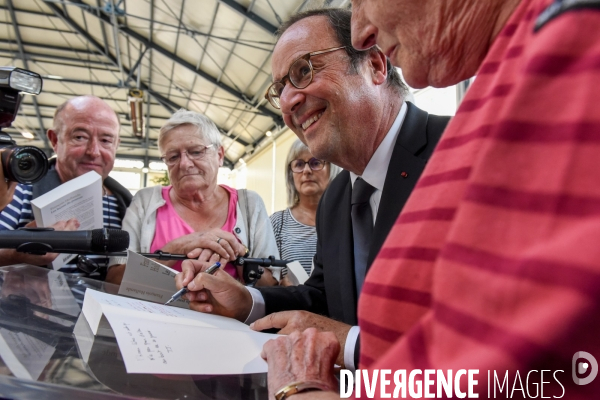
[{"x": 299, "y": 387}]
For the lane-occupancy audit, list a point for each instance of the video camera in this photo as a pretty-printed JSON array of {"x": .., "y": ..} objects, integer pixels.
[{"x": 23, "y": 164}]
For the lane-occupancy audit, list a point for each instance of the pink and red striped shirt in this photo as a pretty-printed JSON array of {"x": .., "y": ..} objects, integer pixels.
[{"x": 494, "y": 263}]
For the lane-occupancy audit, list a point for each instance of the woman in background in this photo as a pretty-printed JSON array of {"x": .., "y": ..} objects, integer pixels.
[
  {"x": 306, "y": 179},
  {"x": 195, "y": 215}
]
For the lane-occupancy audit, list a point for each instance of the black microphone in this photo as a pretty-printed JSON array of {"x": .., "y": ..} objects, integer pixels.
[{"x": 47, "y": 240}]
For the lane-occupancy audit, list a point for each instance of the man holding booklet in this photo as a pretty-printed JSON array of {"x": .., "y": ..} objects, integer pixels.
[{"x": 85, "y": 137}]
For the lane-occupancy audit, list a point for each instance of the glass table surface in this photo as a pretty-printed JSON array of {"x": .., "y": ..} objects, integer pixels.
[{"x": 48, "y": 351}]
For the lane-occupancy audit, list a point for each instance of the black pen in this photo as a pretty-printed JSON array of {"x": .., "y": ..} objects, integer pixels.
[{"x": 211, "y": 270}]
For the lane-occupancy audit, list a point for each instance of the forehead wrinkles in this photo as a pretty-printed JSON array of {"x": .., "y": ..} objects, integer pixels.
[{"x": 181, "y": 140}]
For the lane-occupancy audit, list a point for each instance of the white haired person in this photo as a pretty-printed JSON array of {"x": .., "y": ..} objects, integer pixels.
[
  {"x": 306, "y": 178},
  {"x": 195, "y": 215}
]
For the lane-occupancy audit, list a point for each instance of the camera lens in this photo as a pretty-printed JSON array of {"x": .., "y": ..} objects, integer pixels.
[{"x": 25, "y": 164}]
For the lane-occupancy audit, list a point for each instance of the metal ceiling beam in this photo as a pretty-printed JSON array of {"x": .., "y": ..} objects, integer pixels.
[
  {"x": 42, "y": 129},
  {"x": 250, "y": 16},
  {"x": 54, "y": 47},
  {"x": 69, "y": 95},
  {"x": 127, "y": 31},
  {"x": 115, "y": 28},
  {"x": 102, "y": 26},
  {"x": 147, "y": 127},
  {"x": 167, "y": 103},
  {"x": 41, "y": 13},
  {"x": 179, "y": 24},
  {"x": 210, "y": 30},
  {"x": 50, "y": 117},
  {"x": 34, "y": 57},
  {"x": 136, "y": 65},
  {"x": 22, "y": 25},
  {"x": 164, "y": 101}
]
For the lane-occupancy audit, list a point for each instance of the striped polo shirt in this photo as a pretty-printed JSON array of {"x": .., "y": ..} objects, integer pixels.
[{"x": 494, "y": 262}]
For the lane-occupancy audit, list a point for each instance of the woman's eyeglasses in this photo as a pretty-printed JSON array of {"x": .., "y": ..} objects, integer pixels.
[
  {"x": 193, "y": 153},
  {"x": 314, "y": 163},
  {"x": 300, "y": 75}
]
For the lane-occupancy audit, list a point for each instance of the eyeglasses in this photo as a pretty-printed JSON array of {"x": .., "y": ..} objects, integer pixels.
[
  {"x": 300, "y": 75},
  {"x": 193, "y": 153},
  {"x": 314, "y": 164}
]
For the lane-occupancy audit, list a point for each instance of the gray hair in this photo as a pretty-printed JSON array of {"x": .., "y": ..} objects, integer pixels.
[
  {"x": 292, "y": 194},
  {"x": 205, "y": 128}
]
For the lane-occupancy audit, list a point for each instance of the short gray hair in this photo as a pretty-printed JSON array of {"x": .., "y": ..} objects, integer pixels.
[
  {"x": 206, "y": 128},
  {"x": 292, "y": 194}
]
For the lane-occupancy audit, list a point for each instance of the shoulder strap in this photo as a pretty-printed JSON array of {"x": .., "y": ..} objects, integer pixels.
[
  {"x": 560, "y": 7},
  {"x": 243, "y": 200}
]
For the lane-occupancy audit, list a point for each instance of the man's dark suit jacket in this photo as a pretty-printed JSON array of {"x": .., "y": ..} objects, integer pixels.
[{"x": 331, "y": 289}]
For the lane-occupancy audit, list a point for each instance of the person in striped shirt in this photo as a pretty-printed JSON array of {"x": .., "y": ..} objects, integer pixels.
[
  {"x": 85, "y": 137},
  {"x": 306, "y": 178},
  {"x": 493, "y": 264}
]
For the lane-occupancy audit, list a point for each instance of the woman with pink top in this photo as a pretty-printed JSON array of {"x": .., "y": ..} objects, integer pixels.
[{"x": 195, "y": 215}]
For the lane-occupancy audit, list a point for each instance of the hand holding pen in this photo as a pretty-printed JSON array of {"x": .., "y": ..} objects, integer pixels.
[
  {"x": 211, "y": 270},
  {"x": 220, "y": 294}
]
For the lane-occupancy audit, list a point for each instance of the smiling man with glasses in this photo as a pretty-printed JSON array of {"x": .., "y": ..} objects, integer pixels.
[{"x": 348, "y": 107}]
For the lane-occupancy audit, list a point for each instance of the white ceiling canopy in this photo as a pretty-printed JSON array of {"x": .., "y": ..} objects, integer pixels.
[{"x": 210, "y": 56}]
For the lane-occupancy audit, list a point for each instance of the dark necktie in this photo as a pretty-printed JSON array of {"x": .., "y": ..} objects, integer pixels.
[{"x": 362, "y": 228}]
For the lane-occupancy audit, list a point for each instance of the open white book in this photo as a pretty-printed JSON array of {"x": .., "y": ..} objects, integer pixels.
[
  {"x": 158, "y": 339},
  {"x": 79, "y": 198},
  {"x": 146, "y": 279}
]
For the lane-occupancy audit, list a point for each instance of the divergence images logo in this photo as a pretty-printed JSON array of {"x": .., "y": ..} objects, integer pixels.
[{"x": 581, "y": 367}]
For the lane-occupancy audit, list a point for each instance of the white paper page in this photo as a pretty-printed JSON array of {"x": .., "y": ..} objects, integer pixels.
[
  {"x": 155, "y": 347},
  {"x": 296, "y": 273},
  {"x": 95, "y": 303},
  {"x": 79, "y": 198},
  {"x": 149, "y": 280},
  {"x": 24, "y": 355}
]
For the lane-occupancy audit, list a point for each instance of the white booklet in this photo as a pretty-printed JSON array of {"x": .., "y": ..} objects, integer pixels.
[
  {"x": 158, "y": 339},
  {"x": 149, "y": 280},
  {"x": 296, "y": 273},
  {"x": 79, "y": 198}
]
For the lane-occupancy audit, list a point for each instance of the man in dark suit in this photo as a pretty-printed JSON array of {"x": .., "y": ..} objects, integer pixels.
[{"x": 349, "y": 108}]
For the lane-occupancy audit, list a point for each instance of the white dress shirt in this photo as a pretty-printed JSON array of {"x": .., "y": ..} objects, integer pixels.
[{"x": 374, "y": 174}]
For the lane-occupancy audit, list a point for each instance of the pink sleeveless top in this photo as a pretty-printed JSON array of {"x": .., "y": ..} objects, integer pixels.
[{"x": 169, "y": 225}]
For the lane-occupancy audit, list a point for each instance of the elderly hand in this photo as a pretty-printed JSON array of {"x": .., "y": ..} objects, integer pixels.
[
  {"x": 292, "y": 321},
  {"x": 202, "y": 245},
  {"x": 218, "y": 294},
  {"x": 300, "y": 357}
]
